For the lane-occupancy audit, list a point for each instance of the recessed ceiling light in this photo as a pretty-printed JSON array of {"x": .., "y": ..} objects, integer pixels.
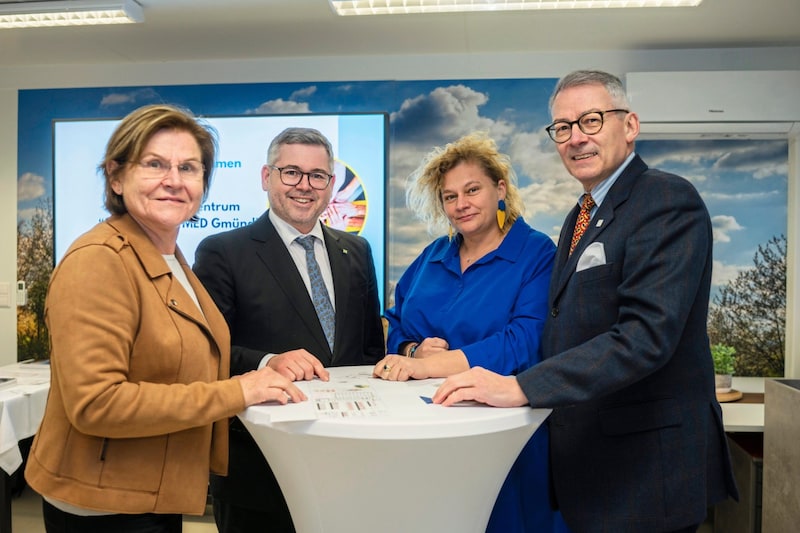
[
  {"x": 69, "y": 13},
  {"x": 405, "y": 7}
]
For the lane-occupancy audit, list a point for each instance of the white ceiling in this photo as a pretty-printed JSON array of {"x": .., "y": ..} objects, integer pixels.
[{"x": 185, "y": 30}]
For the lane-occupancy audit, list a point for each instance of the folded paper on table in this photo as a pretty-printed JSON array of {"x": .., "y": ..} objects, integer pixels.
[{"x": 356, "y": 394}]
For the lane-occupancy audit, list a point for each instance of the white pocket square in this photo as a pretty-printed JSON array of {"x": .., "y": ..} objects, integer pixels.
[{"x": 594, "y": 255}]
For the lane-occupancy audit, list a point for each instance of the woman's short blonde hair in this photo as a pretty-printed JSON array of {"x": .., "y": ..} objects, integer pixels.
[{"x": 424, "y": 190}]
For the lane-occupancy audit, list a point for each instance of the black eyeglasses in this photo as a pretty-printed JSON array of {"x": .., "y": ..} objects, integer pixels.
[
  {"x": 589, "y": 123},
  {"x": 291, "y": 176}
]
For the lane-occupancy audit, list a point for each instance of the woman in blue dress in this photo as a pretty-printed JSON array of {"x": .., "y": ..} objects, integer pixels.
[{"x": 476, "y": 297}]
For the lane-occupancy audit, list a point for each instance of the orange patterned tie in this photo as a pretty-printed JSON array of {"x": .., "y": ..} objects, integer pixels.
[{"x": 583, "y": 220}]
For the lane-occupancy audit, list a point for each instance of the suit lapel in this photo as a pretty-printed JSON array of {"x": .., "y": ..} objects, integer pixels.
[
  {"x": 603, "y": 218},
  {"x": 562, "y": 252},
  {"x": 276, "y": 260}
]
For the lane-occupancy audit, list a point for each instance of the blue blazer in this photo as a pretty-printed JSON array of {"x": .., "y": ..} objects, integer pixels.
[
  {"x": 636, "y": 435},
  {"x": 253, "y": 280}
]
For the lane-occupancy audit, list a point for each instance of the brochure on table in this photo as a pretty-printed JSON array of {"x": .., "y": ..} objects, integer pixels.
[{"x": 353, "y": 392}]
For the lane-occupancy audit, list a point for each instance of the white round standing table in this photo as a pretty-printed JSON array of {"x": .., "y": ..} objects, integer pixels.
[{"x": 367, "y": 455}]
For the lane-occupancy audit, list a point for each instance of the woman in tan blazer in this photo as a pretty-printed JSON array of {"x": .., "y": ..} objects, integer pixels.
[{"x": 140, "y": 390}]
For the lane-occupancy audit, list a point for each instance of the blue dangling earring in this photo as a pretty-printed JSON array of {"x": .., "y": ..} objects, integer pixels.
[{"x": 501, "y": 214}]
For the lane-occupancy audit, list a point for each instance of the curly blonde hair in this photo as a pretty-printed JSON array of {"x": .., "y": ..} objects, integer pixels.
[{"x": 424, "y": 189}]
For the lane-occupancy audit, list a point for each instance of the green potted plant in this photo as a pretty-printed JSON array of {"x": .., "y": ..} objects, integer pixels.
[{"x": 724, "y": 361}]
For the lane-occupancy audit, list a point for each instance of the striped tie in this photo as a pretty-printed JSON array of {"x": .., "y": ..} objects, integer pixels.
[{"x": 583, "y": 220}]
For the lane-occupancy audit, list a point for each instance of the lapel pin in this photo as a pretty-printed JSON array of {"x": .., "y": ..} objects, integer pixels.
[{"x": 599, "y": 223}]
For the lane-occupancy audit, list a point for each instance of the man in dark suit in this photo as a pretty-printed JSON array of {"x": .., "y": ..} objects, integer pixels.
[
  {"x": 637, "y": 441},
  {"x": 261, "y": 278}
]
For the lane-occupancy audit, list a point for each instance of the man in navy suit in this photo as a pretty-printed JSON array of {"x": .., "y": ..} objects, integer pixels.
[
  {"x": 636, "y": 436},
  {"x": 259, "y": 279}
]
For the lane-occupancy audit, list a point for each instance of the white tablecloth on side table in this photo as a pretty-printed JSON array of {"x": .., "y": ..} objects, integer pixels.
[{"x": 21, "y": 408}]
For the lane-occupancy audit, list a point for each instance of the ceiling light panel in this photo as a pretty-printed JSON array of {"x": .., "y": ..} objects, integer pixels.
[
  {"x": 404, "y": 7},
  {"x": 69, "y": 13}
]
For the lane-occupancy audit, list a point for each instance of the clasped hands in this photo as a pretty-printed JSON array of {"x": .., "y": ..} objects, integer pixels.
[
  {"x": 475, "y": 384},
  {"x": 396, "y": 367}
]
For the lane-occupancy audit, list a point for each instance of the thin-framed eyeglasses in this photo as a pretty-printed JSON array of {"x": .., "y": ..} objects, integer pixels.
[
  {"x": 589, "y": 123},
  {"x": 292, "y": 176},
  {"x": 155, "y": 168}
]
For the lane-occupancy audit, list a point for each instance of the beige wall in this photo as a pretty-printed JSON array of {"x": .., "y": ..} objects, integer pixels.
[
  {"x": 471, "y": 66},
  {"x": 8, "y": 220}
]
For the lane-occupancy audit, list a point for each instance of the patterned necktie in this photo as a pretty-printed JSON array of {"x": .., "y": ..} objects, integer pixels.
[
  {"x": 319, "y": 294},
  {"x": 583, "y": 220}
]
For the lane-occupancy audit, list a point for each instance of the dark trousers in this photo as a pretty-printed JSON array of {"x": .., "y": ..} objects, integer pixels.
[
  {"x": 57, "y": 521},
  {"x": 234, "y": 519}
]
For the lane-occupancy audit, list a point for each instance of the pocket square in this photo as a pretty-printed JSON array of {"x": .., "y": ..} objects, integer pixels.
[{"x": 594, "y": 255}]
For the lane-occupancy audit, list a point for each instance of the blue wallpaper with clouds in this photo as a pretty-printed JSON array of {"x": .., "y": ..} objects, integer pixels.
[{"x": 743, "y": 182}]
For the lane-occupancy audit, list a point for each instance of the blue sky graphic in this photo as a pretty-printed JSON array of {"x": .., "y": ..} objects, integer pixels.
[{"x": 744, "y": 183}]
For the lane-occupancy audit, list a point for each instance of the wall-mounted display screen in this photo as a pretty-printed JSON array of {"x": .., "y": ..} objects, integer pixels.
[{"x": 358, "y": 203}]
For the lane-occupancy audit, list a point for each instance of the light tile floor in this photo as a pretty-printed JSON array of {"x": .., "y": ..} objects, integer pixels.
[{"x": 26, "y": 516}]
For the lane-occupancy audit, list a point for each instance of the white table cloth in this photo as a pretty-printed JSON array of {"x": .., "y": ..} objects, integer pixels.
[
  {"x": 367, "y": 455},
  {"x": 21, "y": 408}
]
